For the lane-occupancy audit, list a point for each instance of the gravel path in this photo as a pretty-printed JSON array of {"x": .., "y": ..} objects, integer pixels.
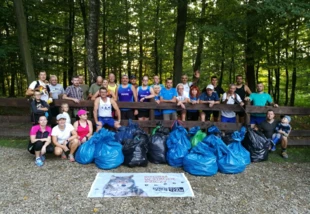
[{"x": 62, "y": 187}]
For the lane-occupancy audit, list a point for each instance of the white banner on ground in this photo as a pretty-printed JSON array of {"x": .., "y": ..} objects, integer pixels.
[{"x": 140, "y": 184}]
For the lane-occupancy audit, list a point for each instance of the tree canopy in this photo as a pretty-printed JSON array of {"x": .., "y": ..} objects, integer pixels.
[{"x": 265, "y": 40}]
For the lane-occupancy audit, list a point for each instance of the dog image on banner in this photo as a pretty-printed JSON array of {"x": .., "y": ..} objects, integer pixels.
[{"x": 122, "y": 186}]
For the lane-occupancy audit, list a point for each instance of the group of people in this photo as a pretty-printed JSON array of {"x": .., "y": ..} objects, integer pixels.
[{"x": 105, "y": 92}]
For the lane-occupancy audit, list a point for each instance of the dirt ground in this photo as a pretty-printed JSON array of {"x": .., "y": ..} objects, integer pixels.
[{"x": 62, "y": 187}]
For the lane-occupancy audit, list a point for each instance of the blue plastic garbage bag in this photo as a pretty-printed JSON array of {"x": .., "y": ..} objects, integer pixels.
[
  {"x": 238, "y": 150},
  {"x": 193, "y": 130},
  {"x": 86, "y": 152},
  {"x": 226, "y": 160},
  {"x": 200, "y": 161},
  {"x": 108, "y": 154},
  {"x": 178, "y": 145},
  {"x": 126, "y": 132},
  {"x": 214, "y": 130}
]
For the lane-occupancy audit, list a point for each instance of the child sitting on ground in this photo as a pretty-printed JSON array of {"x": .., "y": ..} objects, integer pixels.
[
  {"x": 283, "y": 129},
  {"x": 65, "y": 110}
]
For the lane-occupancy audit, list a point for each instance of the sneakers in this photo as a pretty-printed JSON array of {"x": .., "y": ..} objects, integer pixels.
[
  {"x": 284, "y": 154},
  {"x": 273, "y": 148},
  {"x": 42, "y": 158},
  {"x": 39, "y": 162}
]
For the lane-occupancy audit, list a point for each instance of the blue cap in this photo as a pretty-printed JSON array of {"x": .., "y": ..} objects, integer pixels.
[{"x": 288, "y": 118}]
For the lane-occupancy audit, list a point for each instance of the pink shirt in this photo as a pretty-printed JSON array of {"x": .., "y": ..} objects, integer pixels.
[{"x": 36, "y": 128}]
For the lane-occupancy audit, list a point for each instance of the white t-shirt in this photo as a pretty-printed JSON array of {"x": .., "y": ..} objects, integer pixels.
[
  {"x": 105, "y": 108},
  {"x": 68, "y": 118},
  {"x": 182, "y": 97},
  {"x": 44, "y": 95},
  {"x": 62, "y": 135},
  {"x": 231, "y": 101},
  {"x": 56, "y": 90},
  {"x": 187, "y": 87}
]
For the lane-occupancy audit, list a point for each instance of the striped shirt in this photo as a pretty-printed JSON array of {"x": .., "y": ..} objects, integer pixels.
[{"x": 74, "y": 92}]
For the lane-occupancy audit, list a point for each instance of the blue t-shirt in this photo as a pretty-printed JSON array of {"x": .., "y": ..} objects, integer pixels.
[
  {"x": 168, "y": 94},
  {"x": 193, "y": 99},
  {"x": 125, "y": 95},
  {"x": 157, "y": 112},
  {"x": 205, "y": 97},
  {"x": 260, "y": 99}
]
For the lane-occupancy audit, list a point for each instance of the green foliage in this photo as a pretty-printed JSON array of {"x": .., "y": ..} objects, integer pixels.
[{"x": 278, "y": 24}]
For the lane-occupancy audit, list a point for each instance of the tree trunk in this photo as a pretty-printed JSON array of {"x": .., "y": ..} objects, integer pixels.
[
  {"x": 104, "y": 37},
  {"x": 294, "y": 74},
  {"x": 92, "y": 41},
  {"x": 251, "y": 29},
  {"x": 201, "y": 37},
  {"x": 140, "y": 55},
  {"x": 286, "y": 64},
  {"x": 70, "y": 39},
  {"x": 232, "y": 64},
  {"x": 222, "y": 63},
  {"x": 156, "y": 55},
  {"x": 179, "y": 41},
  {"x": 128, "y": 39},
  {"x": 23, "y": 40},
  {"x": 84, "y": 16}
]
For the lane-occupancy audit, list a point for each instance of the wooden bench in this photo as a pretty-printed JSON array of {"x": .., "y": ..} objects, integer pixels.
[{"x": 19, "y": 125}]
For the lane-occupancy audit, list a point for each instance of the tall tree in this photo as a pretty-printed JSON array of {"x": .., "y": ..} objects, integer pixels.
[
  {"x": 179, "y": 40},
  {"x": 92, "y": 41},
  {"x": 23, "y": 39},
  {"x": 250, "y": 47}
]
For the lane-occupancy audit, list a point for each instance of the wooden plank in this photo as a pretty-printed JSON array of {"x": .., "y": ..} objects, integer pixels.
[
  {"x": 300, "y": 133},
  {"x": 280, "y": 110},
  {"x": 298, "y": 142},
  {"x": 14, "y": 102}
]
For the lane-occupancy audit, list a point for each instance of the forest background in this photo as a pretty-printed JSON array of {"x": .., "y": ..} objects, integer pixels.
[{"x": 263, "y": 40}]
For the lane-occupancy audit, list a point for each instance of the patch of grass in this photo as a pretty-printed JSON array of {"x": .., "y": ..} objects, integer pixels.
[
  {"x": 298, "y": 154},
  {"x": 14, "y": 143}
]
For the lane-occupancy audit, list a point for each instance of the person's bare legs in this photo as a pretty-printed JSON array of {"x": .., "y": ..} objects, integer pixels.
[
  {"x": 284, "y": 146},
  {"x": 74, "y": 144},
  {"x": 203, "y": 116}
]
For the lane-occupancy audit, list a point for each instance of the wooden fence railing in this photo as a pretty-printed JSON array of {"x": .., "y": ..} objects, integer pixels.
[{"x": 297, "y": 137}]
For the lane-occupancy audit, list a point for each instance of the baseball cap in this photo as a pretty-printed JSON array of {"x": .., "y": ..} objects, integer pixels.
[
  {"x": 133, "y": 76},
  {"x": 81, "y": 112},
  {"x": 61, "y": 116},
  {"x": 210, "y": 87},
  {"x": 288, "y": 118}
]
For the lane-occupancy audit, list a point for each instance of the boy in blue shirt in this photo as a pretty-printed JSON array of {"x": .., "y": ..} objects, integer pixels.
[
  {"x": 209, "y": 97},
  {"x": 168, "y": 95}
]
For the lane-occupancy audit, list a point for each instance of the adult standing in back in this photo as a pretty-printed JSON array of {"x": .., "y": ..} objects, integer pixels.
[
  {"x": 144, "y": 94},
  {"x": 74, "y": 92},
  {"x": 112, "y": 86},
  {"x": 242, "y": 90},
  {"x": 220, "y": 91},
  {"x": 260, "y": 98},
  {"x": 95, "y": 87},
  {"x": 168, "y": 95},
  {"x": 41, "y": 86},
  {"x": 84, "y": 87},
  {"x": 126, "y": 93},
  {"x": 57, "y": 91}
]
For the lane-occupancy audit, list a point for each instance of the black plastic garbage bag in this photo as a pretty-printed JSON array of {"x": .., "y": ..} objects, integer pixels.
[
  {"x": 257, "y": 144},
  {"x": 135, "y": 151},
  {"x": 157, "y": 148}
]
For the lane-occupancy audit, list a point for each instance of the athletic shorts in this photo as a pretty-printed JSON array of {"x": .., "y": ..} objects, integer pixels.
[
  {"x": 256, "y": 120},
  {"x": 228, "y": 119},
  {"x": 106, "y": 121},
  {"x": 126, "y": 115},
  {"x": 143, "y": 113}
]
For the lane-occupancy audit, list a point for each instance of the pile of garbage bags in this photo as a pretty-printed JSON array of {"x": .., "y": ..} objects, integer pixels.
[{"x": 199, "y": 153}]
